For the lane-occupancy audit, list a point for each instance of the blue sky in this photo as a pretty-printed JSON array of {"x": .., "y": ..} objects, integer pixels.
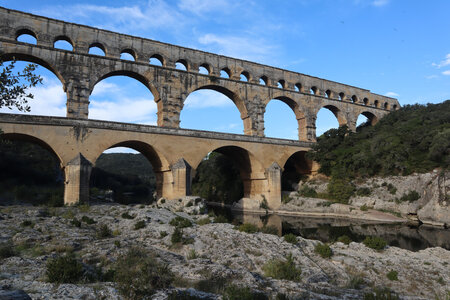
[{"x": 399, "y": 48}]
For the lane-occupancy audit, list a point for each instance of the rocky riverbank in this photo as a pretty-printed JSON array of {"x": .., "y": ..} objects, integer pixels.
[{"x": 209, "y": 258}]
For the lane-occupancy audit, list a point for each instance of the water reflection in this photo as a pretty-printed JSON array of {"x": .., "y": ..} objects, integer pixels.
[{"x": 413, "y": 238}]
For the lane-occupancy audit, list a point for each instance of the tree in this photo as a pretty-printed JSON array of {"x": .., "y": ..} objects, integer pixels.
[{"x": 14, "y": 86}]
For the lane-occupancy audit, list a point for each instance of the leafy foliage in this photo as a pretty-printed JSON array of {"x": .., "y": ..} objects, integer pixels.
[
  {"x": 415, "y": 138},
  {"x": 233, "y": 292},
  {"x": 392, "y": 275},
  {"x": 180, "y": 222},
  {"x": 218, "y": 179},
  {"x": 14, "y": 86},
  {"x": 64, "y": 269},
  {"x": 323, "y": 250},
  {"x": 282, "y": 269},
  {"x": 375, "y": 242},
  {"x": 290, "y": 238}
]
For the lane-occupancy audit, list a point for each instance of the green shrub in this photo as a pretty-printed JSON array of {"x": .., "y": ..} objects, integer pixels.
[
  {"x": 355, "y": 282},
  {"x": 192, "y": 254},
  {"x": 138, "y": 274},
  {"x": 364, "y": 208},
  {"x": 264, "y": 204},
  {"x": 180, "y": 222},
  {"x": 392, "y": 275},
  {"x": 411, "y": 196},
  {"x": 126, "y": 215},
  {"x": 117, "y": 243},
  {"x": 177, "y": 235},
  {"x": 282, "y": 269},
  {"x": 324, "y": 204},
  {"x": 103, "y": 231},
  {"x": 340, "y": 190},
  {"x": 375, "y": 242},
  {"x": 163, "y": 234},
  {"x": 344, "y": 239},
  {"x": 285, "y": 199},
  {"x": 290, "y": 238},
  {"x": 307, "y": 191},
  {"x": 221, "y": 219},
  {"x": 139, "y": 225},
  {"x": 64, "y": 269},
  {"x": 247, "y": 227},
  {"x": 203, "y": 221},
  {"x": 323, "y": 250},
  {"x": 75, "y": 222},
  {"x": 27, "y": 223},
  {"x": 6, "y": 250},
  {"x": 392, "y": 189},
  {"x": 269, "y": 230},
  {"x": 381, "y": 294},
  {"x": 365, "y": 191},
  {"x": 88, "y": 220},
  {"x": 233, "y": 292}
]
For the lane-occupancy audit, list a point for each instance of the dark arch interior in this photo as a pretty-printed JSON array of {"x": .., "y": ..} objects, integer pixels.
[
  {"x": 223, "y": 175},
  {"x": 296, "y": 168},
  {"x": 30, "y": 172},
  {"x": 127, "y": 177}
]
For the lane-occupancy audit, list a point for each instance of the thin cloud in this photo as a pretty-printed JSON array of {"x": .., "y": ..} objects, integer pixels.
[
  {"x": 206, "y": 99},
  {"x": 444, "y": 63},
  {"x": 379, "y": 3},
  {"x": 200, "y": 7},
  {"x": 137, "y": 110},
  {"x": 446, "y": 73},
  {"x": 392, "y": 94}
]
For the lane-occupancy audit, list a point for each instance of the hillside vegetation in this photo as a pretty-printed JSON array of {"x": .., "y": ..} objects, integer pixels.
[{"x": 415, "y": 138}]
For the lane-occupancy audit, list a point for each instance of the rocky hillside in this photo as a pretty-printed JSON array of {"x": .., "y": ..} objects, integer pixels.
[{"x": 185, "y": 253}]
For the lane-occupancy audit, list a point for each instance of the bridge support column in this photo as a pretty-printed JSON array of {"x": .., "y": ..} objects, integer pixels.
[
  {"x": 273, "y": 174},
  {"x": 77, "y": 174},
  {"x": 351, "y": 124},
  {"x": 181, "y": 172},
  {"x": 307, "y": 129},
  {"x": 77, "y": 91},
  {"x": 169, "y": 107}
]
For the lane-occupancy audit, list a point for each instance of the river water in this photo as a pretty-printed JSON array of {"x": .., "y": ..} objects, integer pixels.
[{"x": 413, "y": 238}]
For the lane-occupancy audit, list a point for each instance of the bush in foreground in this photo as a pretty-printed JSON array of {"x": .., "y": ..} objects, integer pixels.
[
  {"x": 139, "y": 274},
  {"x": 282, "y": 269},
  {"x": 375, "y": 242},
  {"x": 323, "y": 250},
  {"x": 64, "y": 269},
  {"x": 234, "y": 292},
  {"x": 290, "y": 238}
]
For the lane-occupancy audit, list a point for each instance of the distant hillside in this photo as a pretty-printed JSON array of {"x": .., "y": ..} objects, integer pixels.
[
  {"x": 126, "y": 164},
  {"x": 415, "y": 138}
]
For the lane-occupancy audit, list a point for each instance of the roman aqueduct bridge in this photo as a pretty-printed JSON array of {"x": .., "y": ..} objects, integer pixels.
[{"x": 174, "y": 153}]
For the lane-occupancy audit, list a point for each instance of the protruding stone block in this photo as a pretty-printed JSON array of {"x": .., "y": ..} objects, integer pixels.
[
  {"x": 77, "y": 172},
  {"x": 181, "y": 172},
  {"x": 274, "y": 186}
]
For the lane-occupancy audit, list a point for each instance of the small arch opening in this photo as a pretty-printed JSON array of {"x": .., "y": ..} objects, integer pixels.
[
  {"x": 313, "y": 90},
  {"x": 326, "y": 119},
  {"x": 354, "y": 99},
  {"x": 97, "y": 49},
  {"x": 128, "y": 54},
  {"x": 327, "y": 94},
  {"x": 341, "y": 96},
  {"x": 181, "y": 65},
  {"x": 245, "y": 76},
  {"x": 204, "y": 69},
  {"x": 376, "y": 103},
  {"x": 156, "y": 60},
  {"x": 263, "y": 80},
  {"x": 281, "y": 84},
  {"x": 26, "y": 36},
  {"x": 386, "y": 105},
  {"x": 225, "y": 73},
  {"x": 298, "y": 87},
  {"x": 394, "y": 107},
  {"x": 366, "y": 101},
  {"x": 296, "y": 169},
  {"x": 63, "y": 43},
  {"x": 365, "y": 119}
]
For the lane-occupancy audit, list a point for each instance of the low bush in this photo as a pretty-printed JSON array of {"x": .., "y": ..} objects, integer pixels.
[
  {"x": 375, "y": 242},
  {"x": 264, "y": 204},
  {"x": 365, "y": 191},
  {"x": 381, "y": 294},
  {"x": 138, "y": 274},
  {"x": 307, "y": 191},
  {"x": 286, "y": 199},
  {"x": 269, "y": 230},
  {"x": 103, "y": 232},
  {"x": 323, "y": 250},
  {"x": 139, "y": 225},
  {"x": 6, "y": 250},
  {"x": 27, "y": 223},
  {"x": 221, "y": 219},
  {"x": 192, "y": 254},
  {"x": 88, "y": 220},
  {"x": 203, "y": 221},
  {"x": 411, "y": 196},
  {"x": 290, "y": 238},
  {"x": 391, "y": 189},
  {"x": 75, "y": 222},
  {"x": 177, "y": 236},
  {"x": 248, "y": 228},
  {"x": 282, "y": 269},
  {"x": 64, "y": 269},
  {"x": 364, "y": 208},
  {"x": 392, "y": 275},
  {"x": 355, "y": 282},
  {"x": 163, "y": 234},
  {"x": 126, "y": 215},
  {"x": 233, "y": 292},
  {"x": 344, "y": 239},
  {"x": 180, "y": 222},
  {"x": 340, "y": 190}
]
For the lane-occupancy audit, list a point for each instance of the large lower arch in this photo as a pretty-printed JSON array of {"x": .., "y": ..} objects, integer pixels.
[
  {"x": 371, "y": 118},
  {"x": 238, "y": 102},
  {"x": 338, "y": 114},
  {"x": 157, "y": 160},
  {"x": 296, "y": 167}
]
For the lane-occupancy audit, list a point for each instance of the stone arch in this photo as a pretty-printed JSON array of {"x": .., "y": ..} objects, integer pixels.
[
  {"x": 184, "y": 63},
  {"x": 264, "y": 80},
  {"x": 342, "y": 120},
  {"x": 35, "y": 140},
  {"x": 246, "y": 162},
  {"x": 227, "y": 71},
  {"x": 372, "y": 118},
  {"x": 295, "y": 107},
  {"x": 100, "y": 46},
  {"x": 33, "y": 59},
  {"x": 247, "y": 76},
  {"x": 63, "y": 38},
  {"x": 25, "y": 30},
  {"x": 207, "y": 67},
  {"x": 158, "y": 57},
  {"x": 131, "y": 52},
  {"x": 238, "y": 102},
  {"x": 295, "y": 167}
]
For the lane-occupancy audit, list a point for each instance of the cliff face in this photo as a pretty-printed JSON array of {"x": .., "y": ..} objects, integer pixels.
[{"x": 394, "y": 194}]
